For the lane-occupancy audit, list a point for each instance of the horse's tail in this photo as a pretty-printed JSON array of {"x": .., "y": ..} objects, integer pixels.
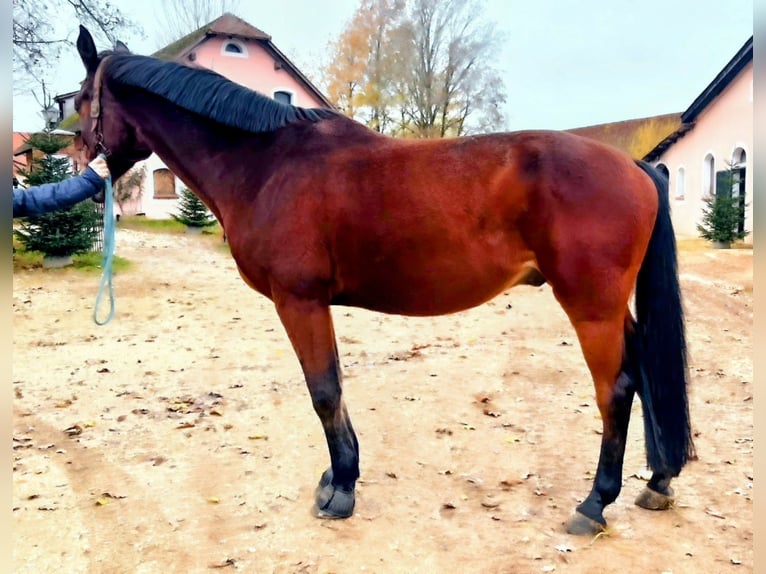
[{"x": 660, "y": 345}]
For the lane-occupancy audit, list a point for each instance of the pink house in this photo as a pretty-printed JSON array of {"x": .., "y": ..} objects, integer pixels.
[
  {"x": 242, "y": 53},
  {"x": 693, "y": 147},
  {"x": 717, "y": 129}
]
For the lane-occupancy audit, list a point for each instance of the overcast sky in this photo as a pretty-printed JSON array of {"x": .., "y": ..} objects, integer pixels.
[{"x": 566, "y": 63}]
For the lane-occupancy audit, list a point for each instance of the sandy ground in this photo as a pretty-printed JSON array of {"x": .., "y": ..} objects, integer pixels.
[{"x": 180, "y": 437}]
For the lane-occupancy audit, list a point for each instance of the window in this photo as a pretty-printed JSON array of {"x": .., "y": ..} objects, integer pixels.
[
  {"x": 663, "y": 169},
  {"x": 708, "y": 176},
  {"x": 234, "y": 48},
  {"x": 283, "y": 96},
  {"x": 739, "y": 158},
  {"x": 739, "y": 173},
  {"x": 164, "y": 184},
  {"x": 681, "y": 183}
]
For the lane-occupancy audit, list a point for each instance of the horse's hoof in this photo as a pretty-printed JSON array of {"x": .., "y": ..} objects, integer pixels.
[
  {"x": 653, "y": 500},
  {"x": 333, "y": 501},
  {"x": 581, "y": 525}
]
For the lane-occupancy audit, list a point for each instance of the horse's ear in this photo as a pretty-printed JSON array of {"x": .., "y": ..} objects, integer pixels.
[
  {"x": 120, "y": 47},
  {"x": 87, "y": 49}
]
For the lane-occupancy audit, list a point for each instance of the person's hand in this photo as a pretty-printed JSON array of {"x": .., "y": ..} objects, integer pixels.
[{"x": 99, "y": 166}]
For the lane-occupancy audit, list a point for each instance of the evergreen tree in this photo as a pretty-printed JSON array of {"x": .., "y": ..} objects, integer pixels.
[
  {"x": 722, "y": 212},
  {"x": 59, "y": 233},
  {"x": 192, "y": 212}
]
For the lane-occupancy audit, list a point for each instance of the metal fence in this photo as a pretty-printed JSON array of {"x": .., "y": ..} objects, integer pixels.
[{"x": 98, "y": 238}]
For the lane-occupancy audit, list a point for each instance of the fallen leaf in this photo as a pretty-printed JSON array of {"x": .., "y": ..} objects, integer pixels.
[
  {"x": 644, "y": 474},
  {"x": 225, "y": 563},
  {"x": 114, "y": 496},
  {"x": 186, "y": 426},
  {"x": 714, "y": 513},
  {"x": 74, "y": 430}
]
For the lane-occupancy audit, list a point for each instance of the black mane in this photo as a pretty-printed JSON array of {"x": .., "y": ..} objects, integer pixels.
[{"x": 208, "y": 94}]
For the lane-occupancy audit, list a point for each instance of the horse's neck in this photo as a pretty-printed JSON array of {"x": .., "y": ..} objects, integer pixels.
[{"x": 203, "y": 155}]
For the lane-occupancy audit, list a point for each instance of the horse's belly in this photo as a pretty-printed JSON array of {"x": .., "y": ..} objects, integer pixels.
[{"x": 428, "y": 291}]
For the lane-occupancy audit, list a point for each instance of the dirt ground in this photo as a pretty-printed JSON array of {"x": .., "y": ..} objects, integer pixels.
[{"x": 180, "y": 438}]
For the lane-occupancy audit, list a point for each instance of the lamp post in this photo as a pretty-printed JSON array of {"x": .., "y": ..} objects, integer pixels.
[{"x": 51, "y": 117}]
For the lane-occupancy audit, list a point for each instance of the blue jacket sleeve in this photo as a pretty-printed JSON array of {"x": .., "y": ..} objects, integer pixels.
[{"x": 54, "y": 196}]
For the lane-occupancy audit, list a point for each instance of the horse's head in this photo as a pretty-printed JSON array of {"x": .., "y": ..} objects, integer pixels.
[{"x": 104, "y": 129}]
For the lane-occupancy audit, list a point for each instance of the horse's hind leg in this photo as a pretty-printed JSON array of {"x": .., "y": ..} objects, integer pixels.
[
  {"x": 309, "y": 326},
  {"x": 602, "y": 345}
]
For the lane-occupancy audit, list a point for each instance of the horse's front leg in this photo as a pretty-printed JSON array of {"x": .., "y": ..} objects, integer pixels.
[{"x": 310, "y": 329}]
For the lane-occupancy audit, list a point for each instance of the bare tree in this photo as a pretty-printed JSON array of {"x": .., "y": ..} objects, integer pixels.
[
  {"x": 418, "y": 68},
  {"x": 130, "y": 186},
  {"x": 451, "y": 87},
  {"x": 37, "y": 43},
  {"x": 177, "y": 18}
]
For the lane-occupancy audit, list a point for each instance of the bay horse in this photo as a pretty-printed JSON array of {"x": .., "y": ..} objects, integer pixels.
[{"x": 321, "y": 211}]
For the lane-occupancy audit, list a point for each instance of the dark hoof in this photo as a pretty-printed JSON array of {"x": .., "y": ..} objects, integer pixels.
[
  {"x": 581, "y": 525},
  {"x": 333, "y": 501},
  {"x": 653, "y": 500}
]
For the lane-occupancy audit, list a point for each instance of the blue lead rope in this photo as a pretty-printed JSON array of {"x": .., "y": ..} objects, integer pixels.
[{"x": 108, "y": 254}]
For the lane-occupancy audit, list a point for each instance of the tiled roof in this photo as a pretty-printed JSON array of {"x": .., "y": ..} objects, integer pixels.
[
  {"x": 19, "y": 141},
  {"x": 637, "y": 137},
  {"x": 227, "y": 25},
  {"x": 730, "y": 71}
]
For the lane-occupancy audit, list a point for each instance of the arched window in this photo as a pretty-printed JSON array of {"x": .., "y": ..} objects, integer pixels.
[
  {"x": 739, "y": 173},
  {"x": 164, "y": 184},
  {"x": 681, "y": 183},
  {"x": 283, "y": 96},
  {"x": 234, "y": 48},
  {"x": 739, "y": 158},
  {"x": 708, "y": 176}
]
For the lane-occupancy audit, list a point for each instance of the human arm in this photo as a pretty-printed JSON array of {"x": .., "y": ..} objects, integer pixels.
[{"x": 53, "y": 196}]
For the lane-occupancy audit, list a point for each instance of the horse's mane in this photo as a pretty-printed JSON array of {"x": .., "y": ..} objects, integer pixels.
[{"x": 208, "y": 94}]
